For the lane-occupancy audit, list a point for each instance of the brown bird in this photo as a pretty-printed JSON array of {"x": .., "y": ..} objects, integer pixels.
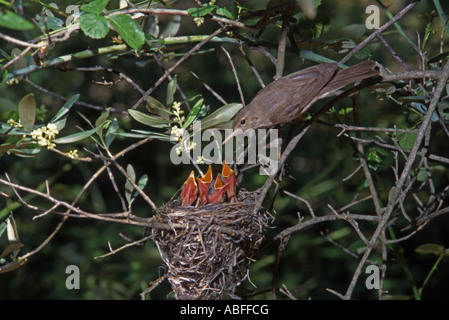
[{"x": 290, "y": 97}]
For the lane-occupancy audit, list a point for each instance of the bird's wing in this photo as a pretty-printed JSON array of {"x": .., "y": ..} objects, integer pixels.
[{"x": 300, "y": 90}]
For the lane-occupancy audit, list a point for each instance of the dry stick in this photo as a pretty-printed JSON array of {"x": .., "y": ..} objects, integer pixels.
[
  {"x": 170, "y": 78},
  {"x": 364, "y": 163},
  {"x": 402, "y": 179},
  {"x": 379, "y": 31},
  {"x": 79, "y": 103},
  {"x": 251, "y": 65},
  {"x": 239, "y": 87},
  {"x": 177, "y": 64},
  {"x": 280, "y": 62},
  {"x": 208, "y": 88}
]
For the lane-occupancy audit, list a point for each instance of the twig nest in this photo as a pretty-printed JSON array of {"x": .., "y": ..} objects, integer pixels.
[{"x": 208, "y": 249}]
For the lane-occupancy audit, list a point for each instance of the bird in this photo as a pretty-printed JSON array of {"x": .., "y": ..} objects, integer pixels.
[
  {"x": 289, "y": 97},
  {"x": 217, "y": 191},
  {"x": 189, "y": 191},
  {"x": 203, "y": 186},
  {"x": 229, "y": 180}
]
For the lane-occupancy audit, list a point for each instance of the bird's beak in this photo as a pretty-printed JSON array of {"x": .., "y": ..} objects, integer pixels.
[{"x": 233, "y": 134}]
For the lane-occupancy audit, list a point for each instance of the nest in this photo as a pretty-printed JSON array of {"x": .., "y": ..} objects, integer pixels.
[{"x": 208, "y": 249}]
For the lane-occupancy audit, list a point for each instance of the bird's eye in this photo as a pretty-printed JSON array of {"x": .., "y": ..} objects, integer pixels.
[{"x": 243, "y": 122}]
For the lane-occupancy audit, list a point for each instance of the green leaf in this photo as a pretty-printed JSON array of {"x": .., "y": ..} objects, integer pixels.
[
  {"x": 128, "y": 186},
  {"x": 363, "y": 54},
  {"x": 142, "y": 134},
  {"x": 111, "y": 132},
  {"x": 96, "y": 6},
  {"x": 171, "y": 89},
  {"x": 148, "y": 120},
  {"x": 94, "y": 26},
  {"x": 27, "y": 111},
  {"x": 156, "y": 107},
  {"x": 75, "y": 137},
  {"x": 435, "y": 170},
  {"x": 193, "y": 113},
  {"x": 407, "y": 141},
  {"x": 61, "y": 116},
  {"x": 225, "y": 12},
  {"x": 222, "y": 115},
  {"x": 129, "y": 30},
  {"x": 11, "y": 20},
  {"x": 435, "y": 249},
  {"x": 202, "y": 11},
  {"x": 99, "y": 123}
]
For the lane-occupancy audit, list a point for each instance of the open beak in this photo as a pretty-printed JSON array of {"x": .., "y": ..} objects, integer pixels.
[
  {"x": 203, "y": 186},
  {"x": 229, "y": 181},
  {"x": 216, "y": 194},
  {"x": 189, "y": 191}
]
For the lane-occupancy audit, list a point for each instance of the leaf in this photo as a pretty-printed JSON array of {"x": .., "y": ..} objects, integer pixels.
[
  {"x": 202, "y": 11},
  {"x": 96, "y": 6},
  {"x": 435, "y": 249},
  {"x": 156, "y": 107},
  {"x": 171, "y": 89},
  {"x": 435, "y": 171},
  {"x": 148, "y": 120},
  {"x": 75, "y": 137},
  {"x": 443, "y": 110},
  {"x": 223, "y": 114},
  {"x": 111, "y": 132},
  {"x": 407, "y": 141},
  {"x": 61, "y": 116},
  {"x": 225, "y": 12},
  {"x": 193, "y": 113},
  {"x": 13, "y": 233},
  {"x": 129, "y": 30},
  {"x": 100, "y": 122},
  {"x": 128, "y": 186},
  {"x": 11, "y": 248},
  {"x": 27, "y": 111},
  {"x": 17, "y": 265},
  {"x": 11, "y": 20},
  {"x": 94, "y": 26},
  {"x": 142, "y": 182},
  {"x": 139, "y": 134}
]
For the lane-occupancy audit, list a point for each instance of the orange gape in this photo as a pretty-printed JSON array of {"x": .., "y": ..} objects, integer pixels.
[
  {"x": 229, "y": 181},
  {"x": 189, "y": 191},
  {"x": 203, "y": 187},
  {"x": 216, "y": 194},
  {"x": 206, "y": 190}
]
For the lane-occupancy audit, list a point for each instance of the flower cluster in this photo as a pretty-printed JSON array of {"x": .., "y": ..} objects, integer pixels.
[
  {"x": 184, "y": 145},
  {"x": 45, "y": 135},
  {"x": 178, "y": 112},
  {"x": 199, "y": 21},
  {"x": 72, "y": 154},
  {"x": 14, "y": 123},
  {"x": 178, "y": 132}
]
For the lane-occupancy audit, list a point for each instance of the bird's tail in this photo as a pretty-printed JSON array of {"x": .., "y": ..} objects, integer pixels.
[{"x": 352, "y": 74}]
